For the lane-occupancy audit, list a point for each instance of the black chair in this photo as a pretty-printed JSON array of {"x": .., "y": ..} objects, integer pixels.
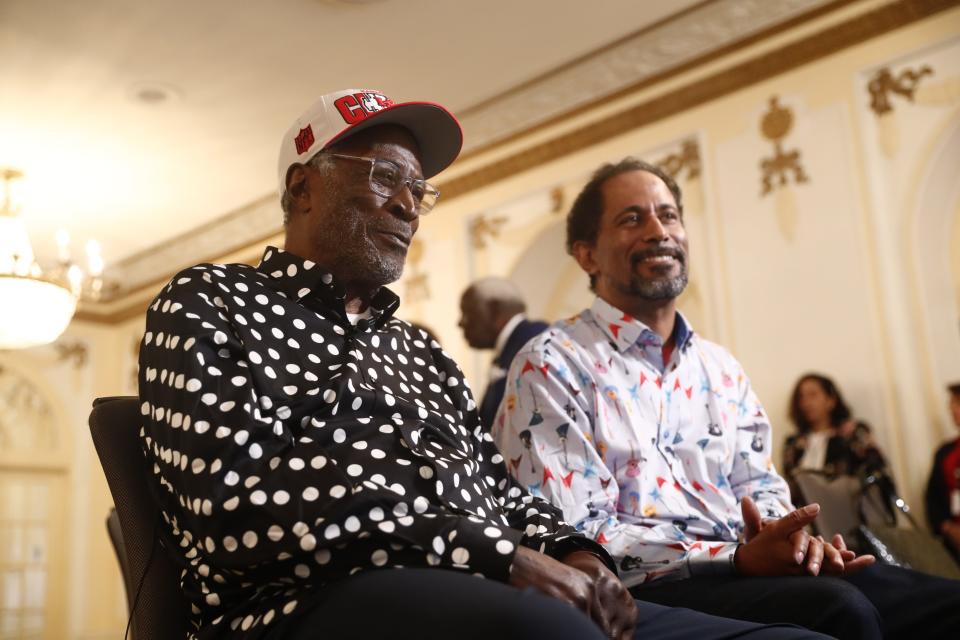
[
  {"x": 157, "y": 606},
  {"x": 116, "y": 540}
]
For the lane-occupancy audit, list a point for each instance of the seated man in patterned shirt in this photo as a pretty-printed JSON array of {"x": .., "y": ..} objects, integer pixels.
[
  {"x": 654, "y": 444},
  {"x": 320, "y": 465}
]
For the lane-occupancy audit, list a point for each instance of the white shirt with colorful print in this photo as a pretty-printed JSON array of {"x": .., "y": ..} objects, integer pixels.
[{"x": 647, "y": 456}]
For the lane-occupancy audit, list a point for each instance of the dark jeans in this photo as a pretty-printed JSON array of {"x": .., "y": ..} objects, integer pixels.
[
  {"x": 879, "y": 602},
  {"x": 428, "y": 604}
]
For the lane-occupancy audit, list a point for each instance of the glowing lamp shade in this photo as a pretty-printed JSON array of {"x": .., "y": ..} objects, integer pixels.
[{"x": 32, "y": 311}]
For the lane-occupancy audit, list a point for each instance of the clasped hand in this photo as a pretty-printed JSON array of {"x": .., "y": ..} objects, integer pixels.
[
  {"x": 782, "y": 547},
  {"x": 584, "y": 581}
]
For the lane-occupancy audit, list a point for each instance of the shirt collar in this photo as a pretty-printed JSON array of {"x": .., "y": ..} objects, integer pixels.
[
  {"x": 504, "y": 334},
  {"x": 623, "y": 330},
  {"x": 303, "y": 281}
]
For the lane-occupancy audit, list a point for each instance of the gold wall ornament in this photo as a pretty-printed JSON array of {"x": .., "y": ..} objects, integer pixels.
[
  {"x": 684, "y": 166},
  {"x": 775, "y": 171},
  {"x": 882, "y": 86},
  {"x": 883, "y": 83},
  {"x": 74, "y": 352},
  {"x": 688, "y": 157},
  {"x": 775, "y": 126},
  {"x": 484, "y": 227},
  {"x": 417, "y": 285}
]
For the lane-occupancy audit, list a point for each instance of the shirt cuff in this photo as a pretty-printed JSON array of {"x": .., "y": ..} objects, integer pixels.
[
  {"x": 714, "y": 561},
  {"x": 561, "y": 548}
]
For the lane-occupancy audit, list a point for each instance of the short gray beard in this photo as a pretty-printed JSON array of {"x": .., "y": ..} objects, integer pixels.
[
  {"x": 360, "y": 256},
  {"x": 658, "y": 289}
]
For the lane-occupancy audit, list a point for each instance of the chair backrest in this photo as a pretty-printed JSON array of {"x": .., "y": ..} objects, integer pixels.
[
  {"x": 838, "y": 499},
  {"x": 159, "y": 609},
  {"x": 116, "y": 539}
]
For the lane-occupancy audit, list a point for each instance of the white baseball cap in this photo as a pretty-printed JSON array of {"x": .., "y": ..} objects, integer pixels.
[{"x": 341, "y": 114}]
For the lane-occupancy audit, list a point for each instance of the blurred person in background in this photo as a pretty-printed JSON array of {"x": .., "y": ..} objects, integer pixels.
[
  {"x": 493, "y": 316},
  {"x": 943, "y": 487},
  {"x": 828, "y": 438}
]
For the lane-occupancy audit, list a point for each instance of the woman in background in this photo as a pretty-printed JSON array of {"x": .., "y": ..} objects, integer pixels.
[
  {"x": 828, "y": 439},
  {"x": 943, "y": 488}
]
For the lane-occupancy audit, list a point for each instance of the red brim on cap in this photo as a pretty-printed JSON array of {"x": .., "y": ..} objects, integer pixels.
[{"x": 436, "y": 130}]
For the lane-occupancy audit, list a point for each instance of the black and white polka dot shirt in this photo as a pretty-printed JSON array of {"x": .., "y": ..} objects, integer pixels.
[{"x": 291, "y": 448}]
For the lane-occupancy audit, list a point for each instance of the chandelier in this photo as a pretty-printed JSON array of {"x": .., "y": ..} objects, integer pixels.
[{"x": 36, "y": 305}]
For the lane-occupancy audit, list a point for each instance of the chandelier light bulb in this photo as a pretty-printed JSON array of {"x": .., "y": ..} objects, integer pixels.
[
  {"x": 63, "y": 246},
  {"x": 94, "y": 259},
  {"x": 37, "y": 306}
]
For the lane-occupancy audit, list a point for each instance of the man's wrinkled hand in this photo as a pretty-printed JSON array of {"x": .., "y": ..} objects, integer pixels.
[
  {"x": 531, "y": 569},
  {"x": 568, "y": 583},
  {"x": 616, "y": 610}
]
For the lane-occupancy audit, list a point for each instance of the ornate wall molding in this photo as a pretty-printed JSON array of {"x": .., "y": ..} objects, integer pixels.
[
  {"x": 27, "y": 422},
  {"x": 884, "y": 83},
  {"x": 227, "y": 234},
  {"x": 260, "y": 221},
  {"x": 483, "y": 228},
  {"x": 693, "y": 35},
  {"x": 763, "y": 67},
  {"x": 686, "y": 159},
  {"x": 776, "y": 170},
  {"x": 72, "y": 351}
]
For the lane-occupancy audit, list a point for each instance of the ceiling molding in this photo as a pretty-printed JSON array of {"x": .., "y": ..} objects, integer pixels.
[
  {"x": 690, "y": 37},
  {"x": 227, "y": 234},
  {"x": 244, "y": 231},
  {"x": 693, "y": 36},
  {"x": 652, "y": 79},
  {"x": 762, "y": 67}
]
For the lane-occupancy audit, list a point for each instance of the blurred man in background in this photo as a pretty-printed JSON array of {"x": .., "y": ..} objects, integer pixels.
[{"x": 492, "y": 316}]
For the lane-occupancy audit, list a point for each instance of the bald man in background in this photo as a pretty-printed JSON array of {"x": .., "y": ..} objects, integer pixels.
[{"x": 493, "y": 316}]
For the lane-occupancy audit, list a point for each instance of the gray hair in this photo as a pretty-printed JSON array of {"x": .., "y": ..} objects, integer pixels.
[
  {"x": 500, "y": 290},
  {"x": 322, "y": 163}
]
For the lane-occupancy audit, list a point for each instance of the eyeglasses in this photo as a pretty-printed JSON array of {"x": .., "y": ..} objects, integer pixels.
[{"x": 386, "y": 179}]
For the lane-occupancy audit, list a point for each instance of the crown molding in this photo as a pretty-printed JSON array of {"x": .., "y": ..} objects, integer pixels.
[
  {"x": 242, "y": 233},
  {"x": 692, "y": 37},
  {"x": 830, "y": 40}
]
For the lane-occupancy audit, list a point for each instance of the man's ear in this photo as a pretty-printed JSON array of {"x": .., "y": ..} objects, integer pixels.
[
  {"x": 298, "y": 188},
  {"x": 583, "y": 254}
]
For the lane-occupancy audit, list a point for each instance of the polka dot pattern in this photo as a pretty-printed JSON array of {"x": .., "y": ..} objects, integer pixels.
[{"x": 293, "y": 448}]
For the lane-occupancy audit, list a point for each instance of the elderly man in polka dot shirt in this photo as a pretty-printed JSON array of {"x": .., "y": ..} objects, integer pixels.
[{"x": 319, "y": 463}]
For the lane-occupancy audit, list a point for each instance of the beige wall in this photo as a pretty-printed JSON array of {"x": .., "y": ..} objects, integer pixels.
[
  {"x": 854, "y": 273},
  {"x": 851, "y": 273}
]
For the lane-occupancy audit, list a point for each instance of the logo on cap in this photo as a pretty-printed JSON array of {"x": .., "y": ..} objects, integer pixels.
[
  {"x": 304, "y": 139},
  {"x": 355, "y": 107}
]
